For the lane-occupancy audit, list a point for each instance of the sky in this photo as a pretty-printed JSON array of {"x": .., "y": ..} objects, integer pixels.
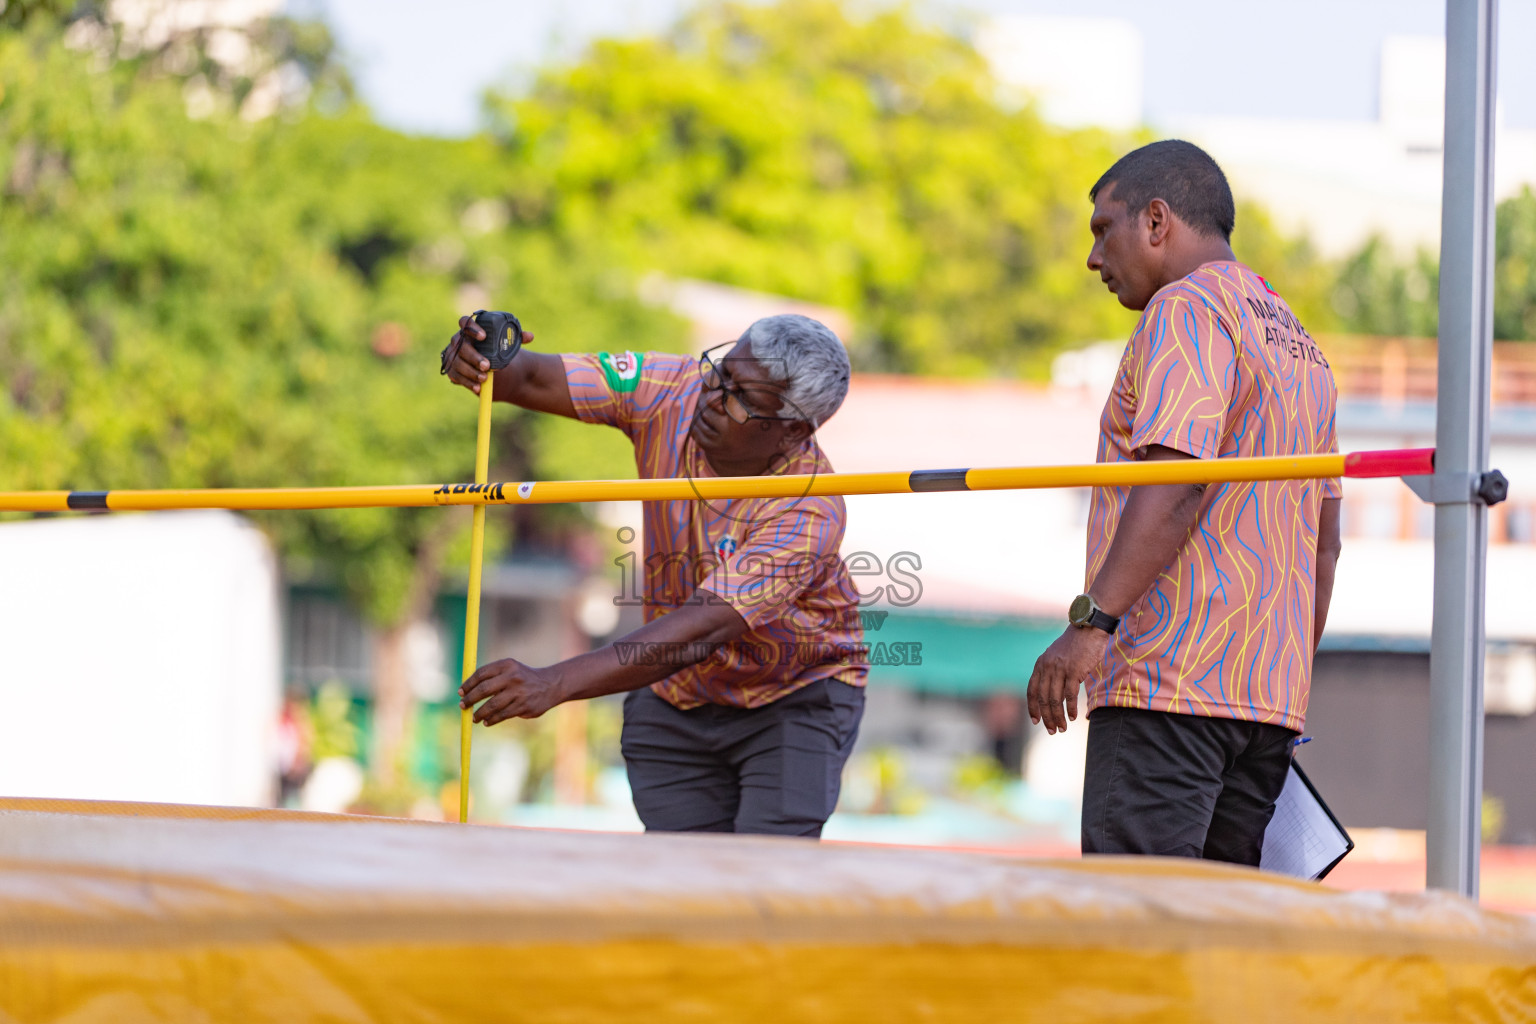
[{"x": 425, "y": 72}]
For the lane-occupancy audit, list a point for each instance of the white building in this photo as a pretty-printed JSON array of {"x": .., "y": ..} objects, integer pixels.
[
  {"x": 141, "y": 659},
  {"x": 1340, "y": 181}
]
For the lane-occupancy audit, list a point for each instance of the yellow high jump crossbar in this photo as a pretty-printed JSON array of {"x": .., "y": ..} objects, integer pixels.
[
  {"x": 481, "y": 493},
  {"x": 1389, "y": 463}
]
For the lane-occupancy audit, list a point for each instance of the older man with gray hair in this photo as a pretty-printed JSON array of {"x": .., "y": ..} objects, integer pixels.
[{"x": 745, "y": 685}]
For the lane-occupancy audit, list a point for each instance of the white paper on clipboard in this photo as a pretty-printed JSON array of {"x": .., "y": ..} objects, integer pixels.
[{"x": 1304, "y": 839}]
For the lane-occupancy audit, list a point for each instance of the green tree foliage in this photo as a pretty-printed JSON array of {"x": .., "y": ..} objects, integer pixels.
[
  {"x": 221, "y": 272},
  {"x": 1514, "y": 287},
  {"x": 814, "y": 149},
  {"x": 212, "y": 302},
  {"x": 17, "y": 13},
  {"x": 1380, "y": 292},
  {"x": 230, "y": 299}
]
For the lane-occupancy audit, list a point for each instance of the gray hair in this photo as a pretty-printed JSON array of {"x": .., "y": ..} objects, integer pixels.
[{"x": 805, "y": 356}]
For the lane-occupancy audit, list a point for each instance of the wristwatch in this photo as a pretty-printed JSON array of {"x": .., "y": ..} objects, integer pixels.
[{"x": 1085, "y": 613}]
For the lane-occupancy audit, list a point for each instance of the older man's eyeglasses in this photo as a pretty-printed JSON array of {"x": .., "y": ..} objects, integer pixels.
[{"x": 716, "y": 377}]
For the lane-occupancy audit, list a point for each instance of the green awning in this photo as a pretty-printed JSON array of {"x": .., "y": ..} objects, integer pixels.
[{"x": 955, "y": 655}]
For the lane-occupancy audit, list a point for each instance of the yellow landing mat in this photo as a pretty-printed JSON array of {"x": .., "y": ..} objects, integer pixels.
[{"x": 142, "y": 912}]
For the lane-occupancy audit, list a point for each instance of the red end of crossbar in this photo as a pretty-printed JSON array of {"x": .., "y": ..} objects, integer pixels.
[{"x": 1397, "y": 462}]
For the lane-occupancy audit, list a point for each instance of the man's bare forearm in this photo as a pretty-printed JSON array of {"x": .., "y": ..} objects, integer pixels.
[
  {"x": 1329, "y": 545},
  {"x": 535, "y": 380},
  {"x": 683, "y": 637},
  {"x": 1156, "y": 520},
  {"x": 1325, "y": 570}
]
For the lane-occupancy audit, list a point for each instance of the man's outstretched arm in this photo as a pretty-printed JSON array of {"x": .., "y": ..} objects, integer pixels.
[
  {"x": 682, "y": 637},
  {"x": 1156, "y": 520},
  {"x": 533, "y": 380}
]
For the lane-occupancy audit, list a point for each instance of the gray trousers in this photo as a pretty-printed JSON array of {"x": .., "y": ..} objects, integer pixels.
[{"x": 774, "y": 769}]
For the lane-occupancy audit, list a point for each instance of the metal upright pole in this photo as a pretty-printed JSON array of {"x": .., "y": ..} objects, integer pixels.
[{"x": 1461, "y": 446}]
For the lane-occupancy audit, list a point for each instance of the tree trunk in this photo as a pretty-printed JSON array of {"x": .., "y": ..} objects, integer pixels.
[{"x": 393, "y": 702}]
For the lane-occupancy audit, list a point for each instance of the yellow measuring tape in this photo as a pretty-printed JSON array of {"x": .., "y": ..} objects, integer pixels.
[{"x": 472, "y": 607}]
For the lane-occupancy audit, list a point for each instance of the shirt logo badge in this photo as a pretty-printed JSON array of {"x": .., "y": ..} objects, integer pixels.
[
  {"x": 622, "y": 370},
  {"x": 726, "y": 547}
]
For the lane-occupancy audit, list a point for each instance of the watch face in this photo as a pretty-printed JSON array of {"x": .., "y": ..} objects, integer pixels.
[{"x": 1080, "y": 610}]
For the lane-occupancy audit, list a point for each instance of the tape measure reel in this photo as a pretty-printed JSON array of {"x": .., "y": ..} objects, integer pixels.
[{"x": 503, "y": 337}]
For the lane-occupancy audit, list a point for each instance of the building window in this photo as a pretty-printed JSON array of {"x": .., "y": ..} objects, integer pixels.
[{"x": 327, "y": 642}]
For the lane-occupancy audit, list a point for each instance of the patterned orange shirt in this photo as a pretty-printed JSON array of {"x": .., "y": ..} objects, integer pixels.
[
  {"x": 1219, "y": 367},
  {"x": 775, "y": 560}
]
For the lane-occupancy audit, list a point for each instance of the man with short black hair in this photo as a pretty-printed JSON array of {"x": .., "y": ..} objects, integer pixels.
[{"x": 1204, "y": 604}]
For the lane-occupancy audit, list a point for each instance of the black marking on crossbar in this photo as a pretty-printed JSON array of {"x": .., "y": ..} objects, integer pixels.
[
  {"x": 87, "y": 499},
  {"x": 493, "y": 491},
  {"x": 938, "y": 480}
]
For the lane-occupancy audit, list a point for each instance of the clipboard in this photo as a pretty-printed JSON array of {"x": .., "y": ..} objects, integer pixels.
[{"x": 1304, "y": 838}]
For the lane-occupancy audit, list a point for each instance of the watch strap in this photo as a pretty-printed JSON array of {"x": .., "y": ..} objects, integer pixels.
[{"x": 1100, "y": 619}]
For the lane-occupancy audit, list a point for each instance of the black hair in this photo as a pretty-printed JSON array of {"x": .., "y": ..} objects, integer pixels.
[{"x": 1182, "y": 175}]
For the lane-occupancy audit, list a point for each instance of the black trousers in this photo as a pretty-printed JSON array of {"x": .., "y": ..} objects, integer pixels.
[
  {"x": 775, "y": 769},
  {"x": 1181, "y": 785}
]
